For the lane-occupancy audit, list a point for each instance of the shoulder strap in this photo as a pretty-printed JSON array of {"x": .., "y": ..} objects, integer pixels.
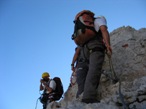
[{"x": 48, "y": 83}]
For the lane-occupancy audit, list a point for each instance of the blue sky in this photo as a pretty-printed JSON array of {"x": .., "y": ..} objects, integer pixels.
[{"x": 35, "y": 36}]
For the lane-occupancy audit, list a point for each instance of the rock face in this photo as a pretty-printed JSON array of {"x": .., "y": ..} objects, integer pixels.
[{"x": 129, "y": 62}]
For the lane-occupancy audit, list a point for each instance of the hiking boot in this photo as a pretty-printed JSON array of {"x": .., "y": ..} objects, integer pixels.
[{"x": 90, "y": 101}]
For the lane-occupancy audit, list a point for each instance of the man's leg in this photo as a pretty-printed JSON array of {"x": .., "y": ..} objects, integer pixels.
[
  {"x": 81, "y": 77},
  {"x": 93, "y": 77}
]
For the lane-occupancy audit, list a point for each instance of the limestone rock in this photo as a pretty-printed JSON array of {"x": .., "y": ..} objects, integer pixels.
[{"x": 129, "y": 62}]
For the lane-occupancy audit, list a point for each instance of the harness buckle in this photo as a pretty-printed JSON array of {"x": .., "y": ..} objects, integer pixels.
[{"x": 90, "y": 51}]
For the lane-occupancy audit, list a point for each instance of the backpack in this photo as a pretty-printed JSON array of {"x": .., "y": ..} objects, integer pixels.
[
  {"x": 84, "y": 33},
  {"x": 55, "y": 95},
  {"x": 59, "y": 88}
]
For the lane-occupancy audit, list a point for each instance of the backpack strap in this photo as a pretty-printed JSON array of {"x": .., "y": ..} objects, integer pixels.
[
  {"x": 55, "y": 83},
  {"x": 80, "y": 25},
  {"x": 88, "y": 27},
  {"x": 48, "y": 84}
]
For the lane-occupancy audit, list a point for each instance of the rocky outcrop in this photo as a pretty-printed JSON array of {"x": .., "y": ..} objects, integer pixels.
[{"x": 129, "y": 62}]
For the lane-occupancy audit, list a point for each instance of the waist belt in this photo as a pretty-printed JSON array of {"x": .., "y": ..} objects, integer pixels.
[
  {"x": 81, "y": 60},
  {"x": 96, "y": 49}
]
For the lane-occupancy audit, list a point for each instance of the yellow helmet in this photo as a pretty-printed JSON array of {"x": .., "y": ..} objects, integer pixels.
[{"x": 45, "y": 74}]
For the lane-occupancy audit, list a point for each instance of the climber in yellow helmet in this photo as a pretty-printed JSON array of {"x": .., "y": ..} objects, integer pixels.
[{"x": 48, "y": 86}]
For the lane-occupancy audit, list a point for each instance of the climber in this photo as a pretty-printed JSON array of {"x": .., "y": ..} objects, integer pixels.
[
  {"x": 48, "y": 86},
  {"x": 75, "y": 59},
  {"x": 90, "y": 37},
  {"x": 81, "y": 67},
  {"x": 74, "y": 64}
]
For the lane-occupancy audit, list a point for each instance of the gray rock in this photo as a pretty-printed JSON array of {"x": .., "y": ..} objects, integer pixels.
[{"x": 129, "y": 62}]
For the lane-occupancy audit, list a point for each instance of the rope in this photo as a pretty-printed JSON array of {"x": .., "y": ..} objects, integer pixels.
[
  {"x": 73, "y": 77},
  {"x": 36, "y": 103},
  {"x": 115, "y": 80},
  {"x": 108, "y": 76},
  {"x": 122, "y": 97}
]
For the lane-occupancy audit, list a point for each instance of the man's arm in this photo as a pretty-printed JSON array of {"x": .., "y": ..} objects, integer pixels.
[
  {"x": 75, "y": 57},
  {"x": 106, "y": 38},
  {"x": 41, "y": 85},
  {"x": 44, "y": 84},
  {"x": 48, "y": 88}
]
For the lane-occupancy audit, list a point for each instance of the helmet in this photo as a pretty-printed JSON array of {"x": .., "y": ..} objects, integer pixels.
[
  {"x": 83, "y": 12},
  {"x": 45, "y": 74}
]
